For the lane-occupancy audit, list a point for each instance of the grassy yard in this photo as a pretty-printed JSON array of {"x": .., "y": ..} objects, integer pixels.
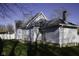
[
  {"x": 15, "y": 48},
  {"x": 19, "y": 49}
]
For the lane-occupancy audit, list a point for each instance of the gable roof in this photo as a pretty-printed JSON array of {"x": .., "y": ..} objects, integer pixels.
[
  {"x": 37, "y": 18},
  {"x": 32, "y": 22}
]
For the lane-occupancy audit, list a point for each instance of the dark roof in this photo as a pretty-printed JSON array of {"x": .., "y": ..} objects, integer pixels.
[
  {"x": 69, "y": 23},
  {"x": 55, "y": 22}
]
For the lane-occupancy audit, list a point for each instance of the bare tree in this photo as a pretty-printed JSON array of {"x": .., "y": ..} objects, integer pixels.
[
  {"x": 59, "y": 13},
  {"x": 7, "y": 9},
  {"x": 19, "y": 24},
  {"x": 10, "y": 28}
]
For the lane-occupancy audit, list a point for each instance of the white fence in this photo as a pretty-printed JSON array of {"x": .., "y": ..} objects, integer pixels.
[{"x": 7, "y": 36}]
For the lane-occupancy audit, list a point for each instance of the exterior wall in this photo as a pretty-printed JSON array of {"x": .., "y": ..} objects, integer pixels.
[
  {"x": 61, "y": 31},
  {"x": 36, "y": 34},
  {"x": 68, "y": 35},
  {"x": 77, "y": 36},
  {"x": 30, "y": 34},
  {"x": 19, "y": 34},
  {"x": 22, "y": 34},
  {"x": 52, "y": 35}
]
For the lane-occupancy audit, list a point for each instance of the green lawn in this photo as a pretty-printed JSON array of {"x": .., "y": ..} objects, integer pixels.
[
  {"x": 20, "y": 48},
  {"x": 13, "y": 47}
]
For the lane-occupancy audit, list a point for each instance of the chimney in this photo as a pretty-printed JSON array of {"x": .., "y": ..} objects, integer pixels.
[{"x": 64, "y": 15}]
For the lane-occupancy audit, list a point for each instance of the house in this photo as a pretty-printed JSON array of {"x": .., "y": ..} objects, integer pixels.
[
  {"x": 40, "y": 28},
  {"x": 57, "y": 31}
]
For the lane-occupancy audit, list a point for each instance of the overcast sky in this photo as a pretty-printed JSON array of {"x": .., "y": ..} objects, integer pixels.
[{"x": 48, "y": 9}]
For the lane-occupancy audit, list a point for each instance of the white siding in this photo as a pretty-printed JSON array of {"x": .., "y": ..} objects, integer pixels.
[
  {"x": 61, "y": 35},
  {"x": 22, "y": 34},
  {"x": 36, "y": 32},
  {"x": 19, "y": 34},
  {"x": 53, "y": 36},
  {"x": 68, "y": 35},
  {"x": 78, "y": 38}
]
